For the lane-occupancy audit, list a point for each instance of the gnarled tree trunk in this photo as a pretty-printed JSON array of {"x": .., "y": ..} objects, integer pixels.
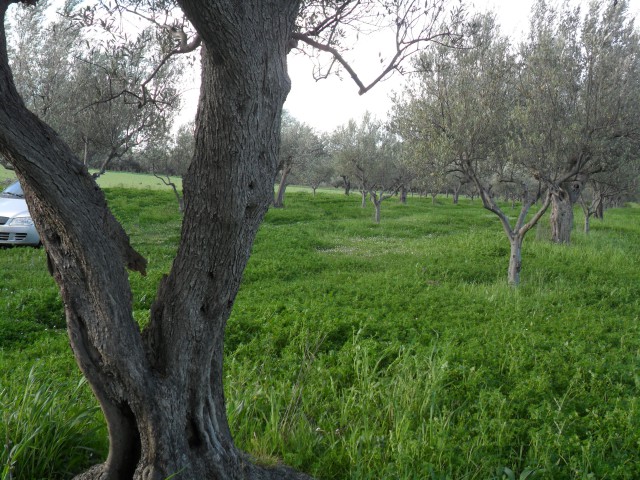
[
  {"x": 161, "y": 389},
  {"x": 346, "y": 183},
  {"x": 561, "y": 217}
]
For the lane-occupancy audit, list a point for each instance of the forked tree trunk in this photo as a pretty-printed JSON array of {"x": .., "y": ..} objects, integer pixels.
[
  {"x": 599, "y": 214},
  {"x": 515, "y": 233},
  {"x": 161, "y": 391},
  {"x": 456, "y": 195},
  {"x": 587, "y": 211}
]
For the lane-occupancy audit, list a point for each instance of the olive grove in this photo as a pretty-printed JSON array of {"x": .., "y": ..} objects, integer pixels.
[
  {"x": 160, "y": 388},
  {"x": 369, "y": 154},
  {"x": 458, "y": 120},
  {"x": 579, "y": 93},
  {"x": 534, "y": 122}
]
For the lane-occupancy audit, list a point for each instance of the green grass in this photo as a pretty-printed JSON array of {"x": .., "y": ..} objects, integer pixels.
[
  {"x": 135, "y": 180},
  {"x": 391, "y": 351},
  {"x": 5, "y": 175}
]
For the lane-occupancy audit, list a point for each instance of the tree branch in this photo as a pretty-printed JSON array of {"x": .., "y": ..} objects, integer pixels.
[{"x": 406, "y": 21}]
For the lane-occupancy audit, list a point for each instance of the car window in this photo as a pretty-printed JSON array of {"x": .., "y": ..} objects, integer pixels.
[{"x": 13, "y": 190}]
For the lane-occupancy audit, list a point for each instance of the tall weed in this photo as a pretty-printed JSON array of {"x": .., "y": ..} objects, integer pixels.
[{"x": 45, "y": 432}]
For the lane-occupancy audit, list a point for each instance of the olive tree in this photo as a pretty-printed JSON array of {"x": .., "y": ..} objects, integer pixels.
[
  {"x": 318, "y": 168},
  {"x": 160, "y": 388},
  {"x": 579, "y": 88},
  {"x": 368, "y": 153},
  {"x": 300, "y": 145},
  {"x": 458, "y": 119},
  {"x": 88, "y": 91}
]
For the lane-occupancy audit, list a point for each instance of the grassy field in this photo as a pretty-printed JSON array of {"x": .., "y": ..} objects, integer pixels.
[
  {"x": 117, "y": 179},
  {"x": 363, "y": 351}
]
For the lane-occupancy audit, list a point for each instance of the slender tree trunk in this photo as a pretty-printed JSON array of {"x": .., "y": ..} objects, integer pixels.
[
  {"x": 587, "y": 223},
  {"x": 599, "y": 214},
  {"x": 282, "y": 186},
  {"x": 587, "y": 211},
  {"x": 161, "y": 391},
  {"x": 363, "y": 193},
  {"x": 515, "y": 259},
  {"x": 377, "y": 203},
  {"x": 516, "y": 233},
  {"x": 433, "y": 198},
  {"x": 85, "y": 158}
]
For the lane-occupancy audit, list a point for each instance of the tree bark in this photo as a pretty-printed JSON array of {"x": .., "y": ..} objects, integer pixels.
[
  {"x": 587, "y": 224},
  {"x": 561, "y": 217},
  {"x": 403, "y": 195},
  {"x": 377, "y": 205},
  {"x": 599, "y": 214},
  {"x": 515, "y": 233},
  {"x": 347, "y": 185},
  {"x": 515, "y": 259},
  {"x": 161, "y": 390},
  {"x": 363, "y": 194},
  {"x": 456, "y": 195},
  {"x": 282, "y": 186}
]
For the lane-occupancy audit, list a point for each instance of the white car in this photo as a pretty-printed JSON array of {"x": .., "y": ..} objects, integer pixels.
[{"x": 16, "y": 225}]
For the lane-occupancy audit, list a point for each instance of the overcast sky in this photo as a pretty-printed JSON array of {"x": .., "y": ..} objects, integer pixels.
[{"x": 329, "y": 103}]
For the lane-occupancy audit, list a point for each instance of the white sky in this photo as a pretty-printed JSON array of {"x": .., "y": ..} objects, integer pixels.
[{"x": 329, "y": 103}]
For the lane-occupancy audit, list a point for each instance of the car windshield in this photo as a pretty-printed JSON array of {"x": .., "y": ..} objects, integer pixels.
[{"x": 13, "y": 190}]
